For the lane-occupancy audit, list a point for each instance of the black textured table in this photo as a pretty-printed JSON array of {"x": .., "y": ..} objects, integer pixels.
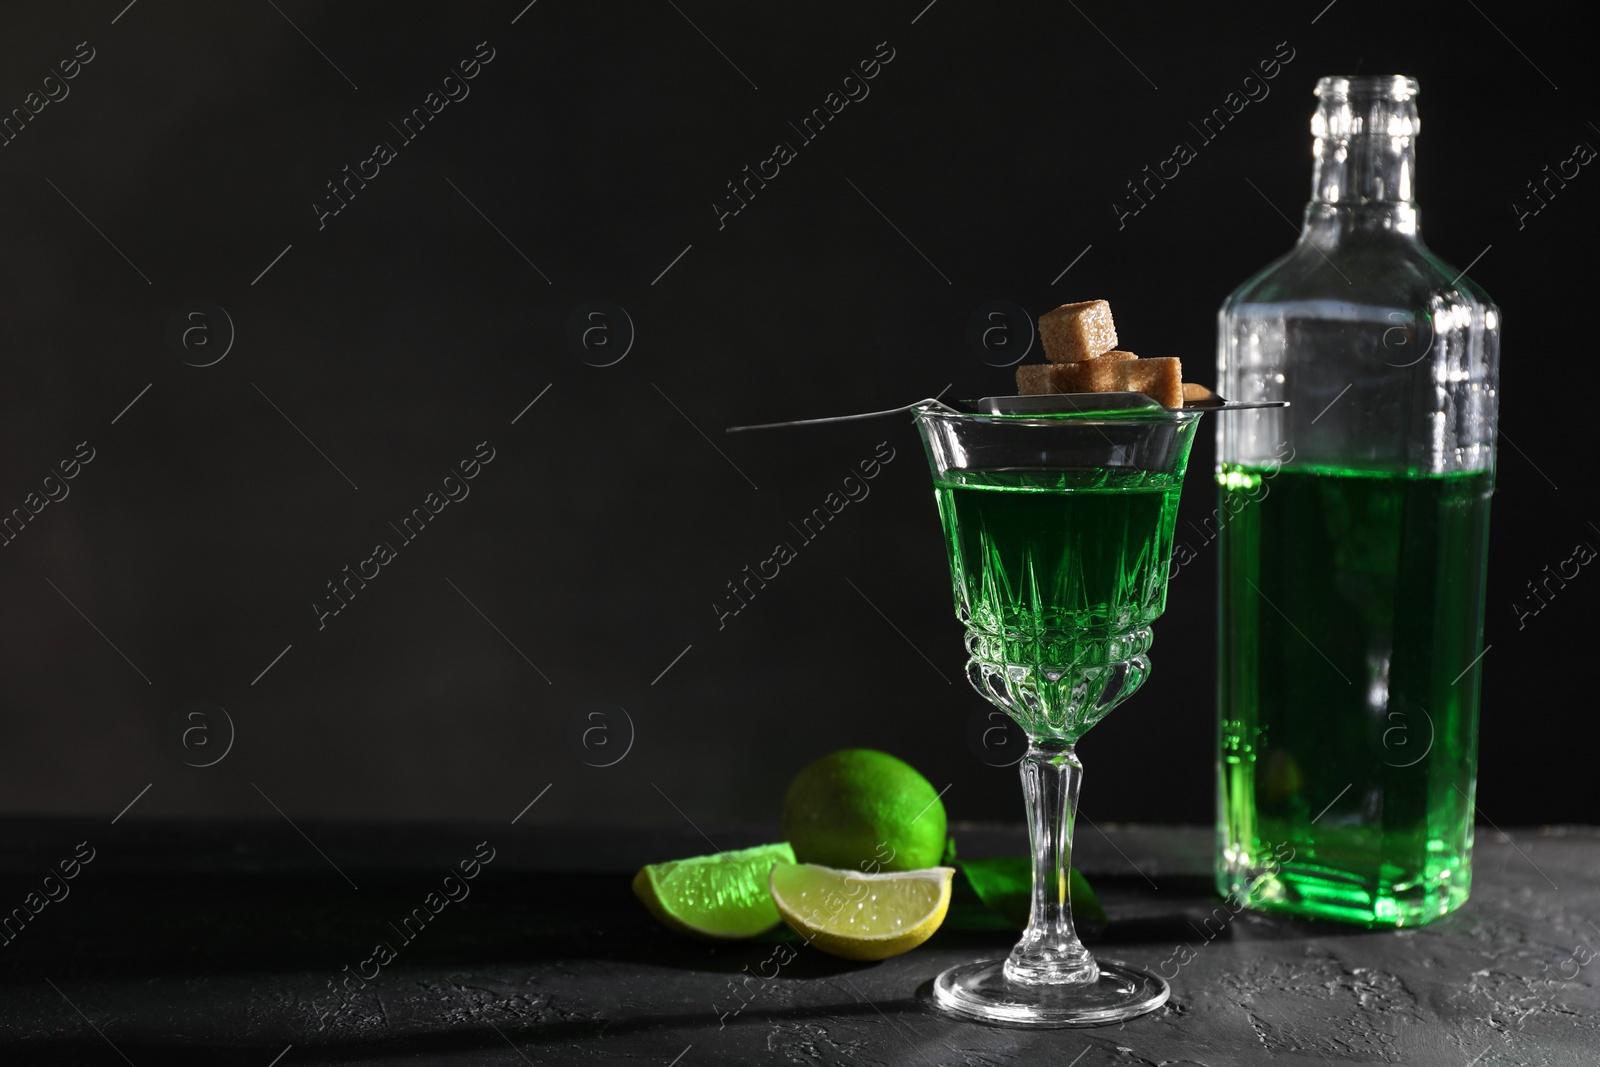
[{"x": 239, "y": 944}]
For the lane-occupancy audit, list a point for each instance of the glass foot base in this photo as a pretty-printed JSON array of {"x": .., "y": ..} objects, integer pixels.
[{"x": 980, "y": 991}]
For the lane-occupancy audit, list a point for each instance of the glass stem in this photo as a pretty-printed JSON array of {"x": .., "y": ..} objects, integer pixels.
[{"x": 1050, "y": 951}]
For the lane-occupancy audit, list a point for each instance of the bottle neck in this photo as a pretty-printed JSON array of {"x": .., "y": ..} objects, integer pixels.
[{"x": 1365, "y": 160}]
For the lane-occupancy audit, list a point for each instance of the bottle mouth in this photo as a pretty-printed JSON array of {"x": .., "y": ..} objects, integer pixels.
[
  {"x": 1341, "y": 87},
  {"x": 1365, "y": 105}
]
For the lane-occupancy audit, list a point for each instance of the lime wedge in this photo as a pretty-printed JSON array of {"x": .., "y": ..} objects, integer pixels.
[
  {"x": 862, "y": 916},
  {"x": 723, "y": 896},
  {"x": 1005, "y": 884}
]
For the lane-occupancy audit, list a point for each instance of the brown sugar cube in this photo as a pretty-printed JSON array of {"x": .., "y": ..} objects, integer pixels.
[
  {"x": 1034, "y": 378},
  {"x": 1160, "y": 379},
  {"x": 1193, "y": 392},
  {"x": 1074, "y": 332}
]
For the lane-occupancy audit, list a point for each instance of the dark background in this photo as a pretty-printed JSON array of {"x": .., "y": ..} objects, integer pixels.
[{"x": 408, "y": 330}]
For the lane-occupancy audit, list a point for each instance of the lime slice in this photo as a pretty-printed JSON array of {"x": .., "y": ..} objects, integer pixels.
[
  {"x": 862, "y": 916},
  {"x": 721, "y": 896},
  {"x": 1005, "y": 884}
]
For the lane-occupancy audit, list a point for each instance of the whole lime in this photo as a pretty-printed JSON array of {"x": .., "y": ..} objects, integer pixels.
[{"x": 864, "y": 810}]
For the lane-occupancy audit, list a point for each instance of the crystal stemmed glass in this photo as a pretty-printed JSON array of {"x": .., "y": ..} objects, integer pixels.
[{"x": 1059, "y": 529}]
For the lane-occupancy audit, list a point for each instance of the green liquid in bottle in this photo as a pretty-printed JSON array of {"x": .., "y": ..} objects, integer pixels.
[{"x": 1353, "y": 607}]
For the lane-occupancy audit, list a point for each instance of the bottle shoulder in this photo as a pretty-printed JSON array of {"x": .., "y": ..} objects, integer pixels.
[
  {"x": 1280, "y": 277},
  {"x": 1456, "y": 279},
  {"x": 1378, "y": 270}
]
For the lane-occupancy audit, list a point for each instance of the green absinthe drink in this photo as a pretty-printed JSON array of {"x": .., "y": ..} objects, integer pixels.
[
  {"x": 1352, "y": 602},
  {"x": 1058, "y": 575},
  {"x": 1058, "y": 523},
  {"x": 1353, "y": 532}
]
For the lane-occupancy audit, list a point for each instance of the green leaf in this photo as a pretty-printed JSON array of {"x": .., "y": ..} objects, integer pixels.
[{"x": 1005, "y": 885}]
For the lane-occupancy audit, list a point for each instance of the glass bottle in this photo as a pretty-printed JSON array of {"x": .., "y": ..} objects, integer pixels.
[{"x": 1352, "y": 528}]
